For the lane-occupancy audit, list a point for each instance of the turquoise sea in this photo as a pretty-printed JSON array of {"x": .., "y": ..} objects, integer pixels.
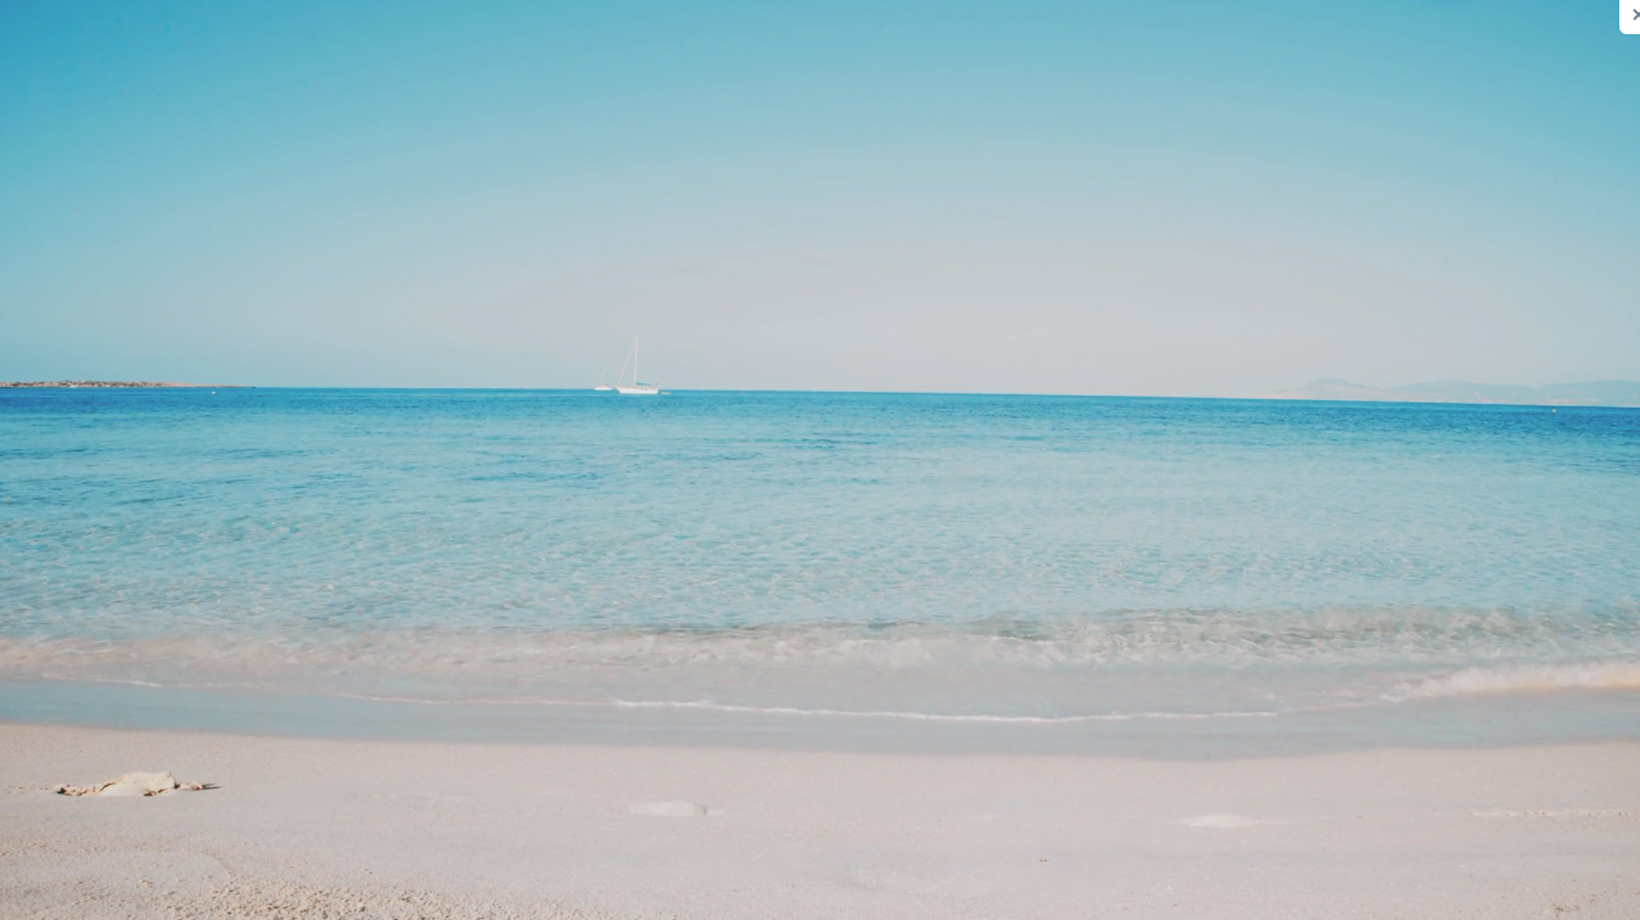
[{"x": 1050, "y": 573}]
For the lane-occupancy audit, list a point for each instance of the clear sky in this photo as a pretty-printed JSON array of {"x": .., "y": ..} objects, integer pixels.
[{"x": 1206, "y": 198}]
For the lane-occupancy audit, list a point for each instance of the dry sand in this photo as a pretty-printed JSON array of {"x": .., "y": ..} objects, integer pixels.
[{"x": 306, "y": 828}]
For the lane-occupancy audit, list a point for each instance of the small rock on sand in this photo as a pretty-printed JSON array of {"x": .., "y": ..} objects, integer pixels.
[{"x": 132, "y": 784}]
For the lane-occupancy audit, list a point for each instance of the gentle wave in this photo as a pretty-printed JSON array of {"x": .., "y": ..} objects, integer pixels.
[
  {"x": 1343, "y": 636},
  {"x": 1602, "y": 675},
  {"x": 704, "y": 705},
  {"x": 939, "y": 717},
  {"x": 1013, "y": 697}
]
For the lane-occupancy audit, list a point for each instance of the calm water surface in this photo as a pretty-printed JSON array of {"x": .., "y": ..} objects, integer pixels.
[{"x": 852, "y": 558}]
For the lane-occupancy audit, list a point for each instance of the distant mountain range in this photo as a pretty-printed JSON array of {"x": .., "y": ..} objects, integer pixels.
[{"x": 1596, "y": 393}]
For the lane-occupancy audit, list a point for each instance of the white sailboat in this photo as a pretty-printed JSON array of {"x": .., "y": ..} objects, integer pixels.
[{"x": 636, "y": 387}]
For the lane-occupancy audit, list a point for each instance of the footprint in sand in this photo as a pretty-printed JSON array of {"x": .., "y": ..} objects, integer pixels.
[
  {"x": 1559, "y": 813},
  {"x": 1218, "y": 821},
  {"x": 675, "y": 809}
]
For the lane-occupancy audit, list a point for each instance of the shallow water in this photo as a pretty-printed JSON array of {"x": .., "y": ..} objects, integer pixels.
[{"x": 831, "y": 557}]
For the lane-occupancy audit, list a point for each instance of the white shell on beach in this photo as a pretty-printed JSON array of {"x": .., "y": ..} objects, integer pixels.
[
  {"x": 677, "y": 808},
  {"x": 1218, "y": 821}
]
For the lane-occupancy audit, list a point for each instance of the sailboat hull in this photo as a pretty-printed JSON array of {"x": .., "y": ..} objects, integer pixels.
[{"x": 636, "y": 387}]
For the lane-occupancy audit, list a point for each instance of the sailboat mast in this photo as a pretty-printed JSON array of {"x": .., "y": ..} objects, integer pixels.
[{"x": 635, "y": 377}]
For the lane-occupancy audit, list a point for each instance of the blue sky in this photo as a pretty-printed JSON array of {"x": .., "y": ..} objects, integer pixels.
[{"x": 1169, "y": 198}]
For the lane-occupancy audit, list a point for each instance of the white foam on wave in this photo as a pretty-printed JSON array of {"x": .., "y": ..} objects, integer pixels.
[
  {"x": 1525, "y": 678},
  {"x": 907, "y": 673},
  {"x": 702, "y": 705},
  {"x": 1426, "y": 637},
  {"x": 938, "y": 717},
  {"x": 737, "y": 708}
]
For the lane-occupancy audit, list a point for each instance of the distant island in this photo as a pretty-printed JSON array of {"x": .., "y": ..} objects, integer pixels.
[
  {"x": 112, "y": 384},
  {"x": 1596, "y": 393}
]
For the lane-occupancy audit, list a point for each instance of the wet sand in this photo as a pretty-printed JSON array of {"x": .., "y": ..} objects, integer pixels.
[{"x": 315, "y": 828}]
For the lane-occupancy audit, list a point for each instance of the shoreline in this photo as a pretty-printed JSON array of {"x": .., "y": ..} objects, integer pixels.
[
  {"x": 1501, "y": 720},
  {"x": 483, "y": 829}
]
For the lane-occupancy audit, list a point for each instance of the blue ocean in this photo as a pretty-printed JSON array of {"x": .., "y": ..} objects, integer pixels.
[{"x": 1054, "y": 573}]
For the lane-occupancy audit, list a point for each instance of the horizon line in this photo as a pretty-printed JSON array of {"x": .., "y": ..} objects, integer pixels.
[{"x": 1268, "y": 397}]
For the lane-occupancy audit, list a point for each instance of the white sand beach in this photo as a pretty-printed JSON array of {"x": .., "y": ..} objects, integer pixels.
[{"x": 315, "y": 828}]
